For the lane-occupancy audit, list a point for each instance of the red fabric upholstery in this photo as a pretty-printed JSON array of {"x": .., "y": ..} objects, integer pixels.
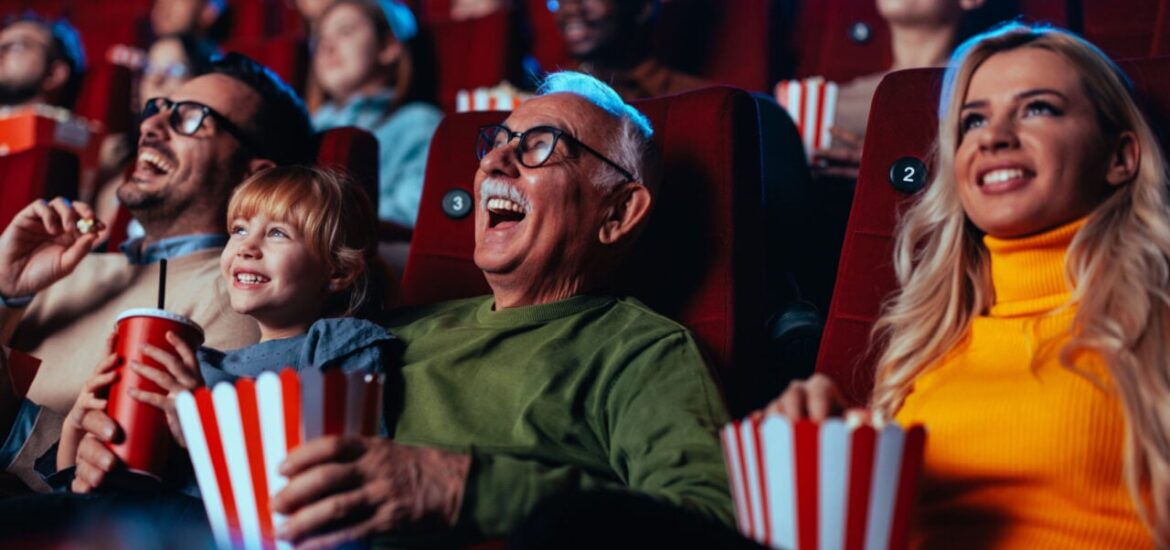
[
  {"x": 722, "y": 42},
  {"x": 353, "y": 150},
  {"x": 548, "y": 48},
  {"x": 38, "y": 173},
  {"x": 902, "y": 123},
  {"x": 470, "y": 54},
  {"x": 1125, "y": 29},
  {"x": 825, "y": 48},
  {"x": 700, "y": 260}
]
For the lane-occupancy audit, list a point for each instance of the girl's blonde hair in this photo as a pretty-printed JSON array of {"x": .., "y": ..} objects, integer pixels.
[
  {"x": 1118, "y": 267},
  {"x": 336, "y": 219}
]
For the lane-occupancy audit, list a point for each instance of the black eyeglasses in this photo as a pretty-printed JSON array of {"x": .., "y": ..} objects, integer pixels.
[
  {"x": 187, "y": 117},
  {"x": 536, "y": 145}
]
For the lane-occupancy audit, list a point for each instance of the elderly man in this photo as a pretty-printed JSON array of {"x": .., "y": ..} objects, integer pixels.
[
  {"x": 551, "y": 383},
  {"x": 41, "y": 62},
  {"x": 613, "y": 41},
  {"x": 194, "y": 148}
]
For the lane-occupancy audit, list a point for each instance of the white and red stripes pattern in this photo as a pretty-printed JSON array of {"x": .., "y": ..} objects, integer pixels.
[
  {"x": 827, "y": 486},
  {"x": 237, "y": 436},
  {"x": 812, "y": 104},
  {"x": 488, "y": 99}
]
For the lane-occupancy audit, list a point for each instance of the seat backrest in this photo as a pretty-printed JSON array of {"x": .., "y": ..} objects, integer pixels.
[
  {"x": 1125, "y": 28},
  {"x": 722, "y": 42},
  {"x": 903, "y": 123},
  {"x": 41, "y": 172},
  {"x": 353, "y": 150},
  {"x": 841, "y": 39},
  {"x": 700, "y": 259},
  {"x": 470, "y": 54}
]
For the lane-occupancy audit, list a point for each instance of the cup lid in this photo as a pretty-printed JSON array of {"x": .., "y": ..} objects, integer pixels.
[{"x": 160, "y": 313}]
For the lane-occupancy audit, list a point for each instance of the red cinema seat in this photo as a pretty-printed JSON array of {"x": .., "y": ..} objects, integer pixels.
[
  {"x": 903, "y": 123},
  {"x": 548, "y": 48},
  {"x": 39, "y": 173},
  {"x": 700, "y": 260},
  {"x": 722, "y": 42},
  {"x": 353, "y": 150},
  {"x": 470, "y": 54},
  {"x": 1125, "y": 29},
  {"x": 841, "y": 39}
]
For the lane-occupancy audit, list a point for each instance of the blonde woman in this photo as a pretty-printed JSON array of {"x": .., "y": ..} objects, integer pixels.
[{"x": 1030, "y": 331}]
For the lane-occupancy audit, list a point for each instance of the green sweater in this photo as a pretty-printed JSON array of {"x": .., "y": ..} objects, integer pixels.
[{"x": 588, "y": 392}]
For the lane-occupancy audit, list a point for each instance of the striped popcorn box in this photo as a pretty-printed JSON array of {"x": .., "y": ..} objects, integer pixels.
[
  {"x": 21, "y": 369},
  {"x": 812, "y": 104},
  {"x": 833, "y": 485},
  {"x": 499, "y": 98},
  {"x": 238, "y": 434}
]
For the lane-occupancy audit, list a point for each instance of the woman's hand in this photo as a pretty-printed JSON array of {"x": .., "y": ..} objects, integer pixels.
[
  {"x": 842, "y": 160},
  {"x": 181, "y": 374},
  {"x": 816, "y": 399}
]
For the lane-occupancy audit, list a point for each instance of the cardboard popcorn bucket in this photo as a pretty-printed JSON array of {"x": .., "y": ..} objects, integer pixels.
[
  {"x": 238, "y": 434},
  {"x": 834, "y": 485},
  {"x": 812, "y": 104}
]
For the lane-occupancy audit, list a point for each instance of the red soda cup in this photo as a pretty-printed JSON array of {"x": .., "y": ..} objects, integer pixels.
[{"x": 146, "y": 438}]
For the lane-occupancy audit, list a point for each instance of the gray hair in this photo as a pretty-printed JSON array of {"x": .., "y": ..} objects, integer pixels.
[{"x": 632, "y": 149}]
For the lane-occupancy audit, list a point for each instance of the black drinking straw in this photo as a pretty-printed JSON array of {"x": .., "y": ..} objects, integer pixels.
[{"x": 162, "y": 283}]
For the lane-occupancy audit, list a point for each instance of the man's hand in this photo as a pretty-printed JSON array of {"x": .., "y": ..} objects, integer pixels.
[
  {"x": 42, "y": 245},
  {"x": 346, "y": 489}
]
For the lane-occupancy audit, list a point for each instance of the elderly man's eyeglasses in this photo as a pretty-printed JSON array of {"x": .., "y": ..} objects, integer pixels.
[
  {"x": 536, "y": 145},
  {"x": 187, "y": 117}
]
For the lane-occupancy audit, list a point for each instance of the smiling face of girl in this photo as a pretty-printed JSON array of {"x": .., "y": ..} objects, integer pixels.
[{"x": 273, "y": 275}]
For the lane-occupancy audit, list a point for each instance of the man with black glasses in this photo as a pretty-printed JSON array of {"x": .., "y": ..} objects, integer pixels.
[
  {"x": 59, "y": 303},
  {"x": 550, "y": 384}
]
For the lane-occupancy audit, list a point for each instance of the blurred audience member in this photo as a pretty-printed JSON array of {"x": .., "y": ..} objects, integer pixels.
[
  {"x": 41, "y": 61},
  {"x": 474, "y": 9},
  {"x": 364, "y": 65},
  {"x": 922, "y": 34},
  {"x": 198, "y": 17},
  {"x": 312, "y": 10},
  {"x": 613, "y": 41}
]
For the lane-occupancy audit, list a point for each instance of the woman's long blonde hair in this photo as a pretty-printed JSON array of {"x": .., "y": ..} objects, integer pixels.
[{"x": 1118, "y": 266}]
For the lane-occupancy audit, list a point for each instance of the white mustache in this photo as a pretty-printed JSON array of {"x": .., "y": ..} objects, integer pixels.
[{"x": 493, "y": 188}]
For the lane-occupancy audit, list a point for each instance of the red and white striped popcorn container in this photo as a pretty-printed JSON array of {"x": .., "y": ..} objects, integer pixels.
[
  {"x": 834, "y": 485},
  {"x": 812, "y": 104},
  {"x": 238, "y": 434},
  {"x": 499, "y": 98}
]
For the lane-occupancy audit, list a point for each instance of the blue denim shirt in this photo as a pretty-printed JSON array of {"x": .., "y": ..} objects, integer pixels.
[{"x": 404, "y": 138}]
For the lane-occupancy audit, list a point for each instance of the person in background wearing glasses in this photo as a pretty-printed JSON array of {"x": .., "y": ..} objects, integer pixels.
[
  {"x": 550, "y": 384},
  {"x": 195, "y": 147},
  {"x": 41, "y": 62}
]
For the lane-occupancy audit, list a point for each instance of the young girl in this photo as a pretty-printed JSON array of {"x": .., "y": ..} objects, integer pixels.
[
  {"x": 301, "y": 260},
  {"x": 1030, "y": 331}
]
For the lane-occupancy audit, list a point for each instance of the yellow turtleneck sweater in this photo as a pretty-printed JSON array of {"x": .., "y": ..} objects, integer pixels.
[{"x": 1022, "y": 454}]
